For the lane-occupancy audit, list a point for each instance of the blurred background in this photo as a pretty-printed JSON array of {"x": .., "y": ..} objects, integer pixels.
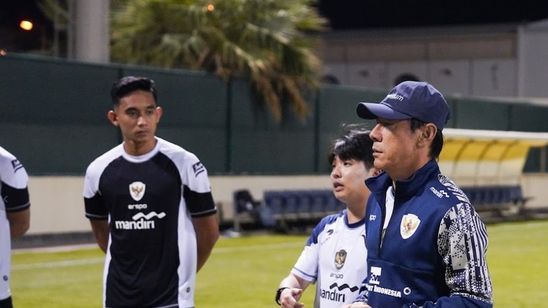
[
  {"x": 257, "y": 89},
  {"x": 241, "y": 80}
]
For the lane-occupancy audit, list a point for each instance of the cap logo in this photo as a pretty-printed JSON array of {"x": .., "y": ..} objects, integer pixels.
[
  {"x": 409, "y": 100},
  {"x": 395, "y": 96}
]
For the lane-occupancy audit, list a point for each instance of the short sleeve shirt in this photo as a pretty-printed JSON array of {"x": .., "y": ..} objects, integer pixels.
[
  {"x": 149, "y": 201},
  {"x": 335, "y": 258},
  {"x": 14, "y": 197}
]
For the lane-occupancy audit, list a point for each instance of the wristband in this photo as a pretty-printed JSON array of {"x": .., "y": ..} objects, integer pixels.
[{"x": 278, "y": 294}]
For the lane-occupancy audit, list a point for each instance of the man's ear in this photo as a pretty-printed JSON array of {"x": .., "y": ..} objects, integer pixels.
[
  {"x": 159, "y": 112},
  {"x": 428, "y": 132},
  {"x": 112, "y": 117}
]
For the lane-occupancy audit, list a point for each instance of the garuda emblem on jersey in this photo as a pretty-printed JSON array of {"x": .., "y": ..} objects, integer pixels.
[
  {"x": 137, "y": 190},
  {"x": 408, "y": 226},
  {"x": 340, "y": 258}
]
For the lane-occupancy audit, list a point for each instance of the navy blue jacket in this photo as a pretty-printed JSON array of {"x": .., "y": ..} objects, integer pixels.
[{"x": 432, "y": 253}]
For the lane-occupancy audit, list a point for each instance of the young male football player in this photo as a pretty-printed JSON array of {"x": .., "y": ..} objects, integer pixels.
[
  {"x": 150, "y": 206},
  {"x": 334, "y": 255}
]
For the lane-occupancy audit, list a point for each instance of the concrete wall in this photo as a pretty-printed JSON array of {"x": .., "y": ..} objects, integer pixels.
[
  {"x": 505, "y": 60},
  {"x": 532, "y": 52},
  {"x": 57, "y": 205}
]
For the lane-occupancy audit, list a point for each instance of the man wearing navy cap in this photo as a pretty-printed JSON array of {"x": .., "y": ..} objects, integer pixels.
[{"x": 426, "y": 244}]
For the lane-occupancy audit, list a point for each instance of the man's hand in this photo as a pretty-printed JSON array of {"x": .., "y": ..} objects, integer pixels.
[{"x": 289, "y": 298}]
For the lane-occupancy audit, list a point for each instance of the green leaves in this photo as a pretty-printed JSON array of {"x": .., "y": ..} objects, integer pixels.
[{"x": 263, "y": 40}]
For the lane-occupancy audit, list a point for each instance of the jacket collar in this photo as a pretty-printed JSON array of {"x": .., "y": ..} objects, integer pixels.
[{"x": 404, "y": 189}]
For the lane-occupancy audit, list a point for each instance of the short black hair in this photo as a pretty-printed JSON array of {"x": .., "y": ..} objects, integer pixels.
[
  {"x": 356, "y": 144},
  {"x": 129, "y": 84}
]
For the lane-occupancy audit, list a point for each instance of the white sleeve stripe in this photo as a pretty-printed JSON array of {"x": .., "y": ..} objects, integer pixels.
[
  {"x": 303, "y": 274},
  {"x": 213, "y": 210},
  {"x": 96, "y": 216},
  {"x": 15, "y": 208}
]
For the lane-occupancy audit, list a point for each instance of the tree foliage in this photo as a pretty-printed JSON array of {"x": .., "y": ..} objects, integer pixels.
[{"x": 266, "y": 41}]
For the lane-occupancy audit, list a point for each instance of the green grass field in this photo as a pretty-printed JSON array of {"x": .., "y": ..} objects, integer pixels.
[{"x": 245, "y": 271}]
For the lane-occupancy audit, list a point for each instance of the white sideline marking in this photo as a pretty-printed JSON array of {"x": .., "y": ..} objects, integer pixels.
[
  {"x": 62, "y": 248},
  {"x": 77, "y": 262},
  {"x": 55, "y": 264},
  {"x": 258, "y": 247}
]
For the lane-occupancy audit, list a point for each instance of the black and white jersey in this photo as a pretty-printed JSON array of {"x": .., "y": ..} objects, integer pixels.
[
  {"x": 15, "y": 197},
  {"x": 149, "y": 201},
  {"x": 335, "y": 258}
]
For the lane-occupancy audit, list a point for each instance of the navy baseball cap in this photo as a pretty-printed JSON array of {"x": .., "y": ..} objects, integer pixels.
[{"x": 409, "y": 99}]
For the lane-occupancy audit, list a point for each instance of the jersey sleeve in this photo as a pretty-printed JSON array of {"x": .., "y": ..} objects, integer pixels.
[
  {"x": 93, "y": 201},
  {"x": 14, "y": 182},
  {"x": 307, "y": 265},
  {"x": 462, "y": 243},
  {"x": 197, "y": 189}
]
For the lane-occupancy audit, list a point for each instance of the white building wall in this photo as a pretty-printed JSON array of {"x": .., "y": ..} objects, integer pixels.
[
  {"x": 372, "y": 75},
  {"x": 494, "y": 77},
  {"x": 396, "y": 69},
  {"x": 57, "y": 205},
  {"x": 532, "y": 60},
  {"x": 451, "y": 77},
  {"x": 466, "y": 77},
  {"x": 496, "y": 61}
]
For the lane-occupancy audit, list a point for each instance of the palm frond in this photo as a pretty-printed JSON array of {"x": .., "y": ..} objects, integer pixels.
[{"x": 263, "y": 39}]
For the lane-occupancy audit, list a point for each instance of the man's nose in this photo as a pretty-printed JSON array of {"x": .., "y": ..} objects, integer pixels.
[
  {"x": 375, "y": 133},
  {"x": 141, "y": 120}
]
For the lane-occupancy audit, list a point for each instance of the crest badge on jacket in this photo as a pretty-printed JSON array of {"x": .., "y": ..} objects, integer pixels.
[{"x": 409, "y": 224}]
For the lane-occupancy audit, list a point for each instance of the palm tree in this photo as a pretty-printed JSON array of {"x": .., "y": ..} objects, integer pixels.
[{"x": 264, "y": 40}]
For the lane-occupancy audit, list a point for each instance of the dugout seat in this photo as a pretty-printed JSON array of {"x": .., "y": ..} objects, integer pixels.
[
  {"x": 332, "y": 204},
  {"x": 275, "y": 201},
  {"x": 244, "y": 201},
  {"x": 246, "y": 208}
]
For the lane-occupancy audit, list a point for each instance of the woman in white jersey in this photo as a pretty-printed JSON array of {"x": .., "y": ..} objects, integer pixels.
[{"x": 334, "y": 255}]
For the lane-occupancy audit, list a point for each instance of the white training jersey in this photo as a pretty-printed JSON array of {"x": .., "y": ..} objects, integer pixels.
[
  {"x": 149, "y": 201},
  {"x": 335, "y": 258},
  {"x": 14, "y": 197}
]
